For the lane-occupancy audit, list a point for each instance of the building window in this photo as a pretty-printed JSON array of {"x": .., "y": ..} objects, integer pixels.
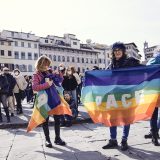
[
  {"x": 16, "y": 55},
  {"x": 63, "y": 58},
  {"x": 2, "y": 52},
  {"x": 86, "y": 60},
  {"x": 54, "y": 57},
  {"x": 16, "y": 43},
  {"x": 23, "y": 68},
  {"x": 2, "y": 43},
  {"x": 16, "y": 66},
  {"x": 82, "y": 60},
  {"x": 22, "y": 44},
  {"x": 91, "y": 61},
  {"x": 50, "y": 56},
  {"x": 12, "y": 34},
  {"x": 74, "y": 43},
  {"x": 78, "y": 60},
  {"x": 27, "y": 35},
  {"x": 100, "y": 61},
  {"x": 95, "y": 61},
  {"x": 68, "y": 59},
  {"x": 29, "y": 55},
  {"x": 72, "y": 59},
  {"x": 9, "y": 44},
  {"x": 35, "y": 45},
  {"x": 9, "y": 53},
  {"x": 29, "y": 45},
  {"x": 22, "y": 55},
  {"x": 59, "y": 58},
  {"x": 35, "y": 56},
  {"x": 29, "y": 68},
  {"x": 46, "y": 40}
]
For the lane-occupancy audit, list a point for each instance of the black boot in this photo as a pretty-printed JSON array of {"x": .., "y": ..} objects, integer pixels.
[
  {"x": 111, "y": 144},
  {"x": 0, "y": 116},
  {"x": 46, "y": 133},
  {"x": 1, "y": 120},
  {"x": 12, "y": 114},
  {"x": 59, "y": 141},
  {"x": 155, "y": 140},
  {"x": 124, "y": 145},
  {"x": 149, "y": 135},
  {"x": 48, "y": 143},
  {"x": 7, "y": 115},
  {"x": 19, "y": 111}
]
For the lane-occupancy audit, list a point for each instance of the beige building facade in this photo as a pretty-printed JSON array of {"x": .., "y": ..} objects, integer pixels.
[{"x": 21, "y": 50}]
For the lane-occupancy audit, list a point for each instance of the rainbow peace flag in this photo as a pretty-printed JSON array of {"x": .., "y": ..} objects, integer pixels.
[
  {"x": 122, "y": 96},
  {"x": 48, "y": 102}
]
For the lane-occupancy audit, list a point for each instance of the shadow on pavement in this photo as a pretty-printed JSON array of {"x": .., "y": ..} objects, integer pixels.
[
  {"x": 75, "y": 154},
  {"x": 141, "y": 154}
]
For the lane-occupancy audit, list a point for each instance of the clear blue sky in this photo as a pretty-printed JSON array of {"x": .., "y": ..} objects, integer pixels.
[{"x": 103, "y": 21}]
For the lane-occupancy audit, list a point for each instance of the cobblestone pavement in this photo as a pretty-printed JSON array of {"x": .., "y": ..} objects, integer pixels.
[{"x": 84, "y": 142}]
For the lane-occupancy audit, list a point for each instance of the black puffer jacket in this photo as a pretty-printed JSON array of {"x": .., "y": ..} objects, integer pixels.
[
  {"x": 69, "y": 83},
  {"x": 4, "y": 85},
  {"x": 12, "y": 83},
  {"x": 124, "y": 62}
]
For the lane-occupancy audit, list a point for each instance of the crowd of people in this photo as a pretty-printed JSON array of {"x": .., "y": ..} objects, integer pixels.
[
  {"x": 11, "y": 87},
  {"x": 14, "y": 87}
]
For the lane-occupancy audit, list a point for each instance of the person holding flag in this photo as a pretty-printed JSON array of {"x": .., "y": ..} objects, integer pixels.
[
  {"x": 44, "y": 83},
  {"x": 120, "y": 60},
  {"x": 153, "y": 134}
]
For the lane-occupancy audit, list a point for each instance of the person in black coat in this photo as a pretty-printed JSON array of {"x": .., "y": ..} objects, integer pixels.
[
  {"x": 70, "y": 84},
  {"x": 120, "y": 60},
  {"x": 12, "y": 82},
  {"x": 4, "y": 90}
]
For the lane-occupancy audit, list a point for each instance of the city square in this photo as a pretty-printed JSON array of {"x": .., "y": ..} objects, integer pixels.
[{"x": 79, "y": 80}]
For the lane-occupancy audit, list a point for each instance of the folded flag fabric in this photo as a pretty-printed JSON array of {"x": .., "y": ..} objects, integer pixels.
[
  {"x": 123, "y": 96},
  {"x": 48, "y": 102}
]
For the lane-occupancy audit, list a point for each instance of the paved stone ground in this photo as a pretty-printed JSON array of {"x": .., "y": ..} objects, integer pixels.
[{"x": 84, "y": 142}]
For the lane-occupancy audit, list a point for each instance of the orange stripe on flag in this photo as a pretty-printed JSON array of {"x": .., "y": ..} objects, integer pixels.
[
  {"x": 123, "y": 117},
  {"x": 35, "y": 120}
]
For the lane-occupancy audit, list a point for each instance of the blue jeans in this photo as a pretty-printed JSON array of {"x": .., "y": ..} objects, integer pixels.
[{"x": 113, "y": 132}]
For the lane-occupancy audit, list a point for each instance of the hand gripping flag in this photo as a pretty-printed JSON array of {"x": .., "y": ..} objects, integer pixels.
[
  {"x": 48, "y": 102},
  {"x": 121, "y": 97}
]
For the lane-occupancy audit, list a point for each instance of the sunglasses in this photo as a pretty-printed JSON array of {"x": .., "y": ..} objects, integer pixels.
[{"x": 116, "y": 50}]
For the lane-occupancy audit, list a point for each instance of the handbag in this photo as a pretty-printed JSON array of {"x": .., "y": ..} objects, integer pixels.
[{"x": 22, "y": 93}]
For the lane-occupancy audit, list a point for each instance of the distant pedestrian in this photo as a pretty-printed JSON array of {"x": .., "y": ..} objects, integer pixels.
[
  {"x": 21, "y": 84},
  {"x": 11, "y": 81},
  {"x": 78, "y": 79},
  {"x": 4, "y": 90},
  {"x": 70, "y": 84},
  {"x": 29, "y": 91}
]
